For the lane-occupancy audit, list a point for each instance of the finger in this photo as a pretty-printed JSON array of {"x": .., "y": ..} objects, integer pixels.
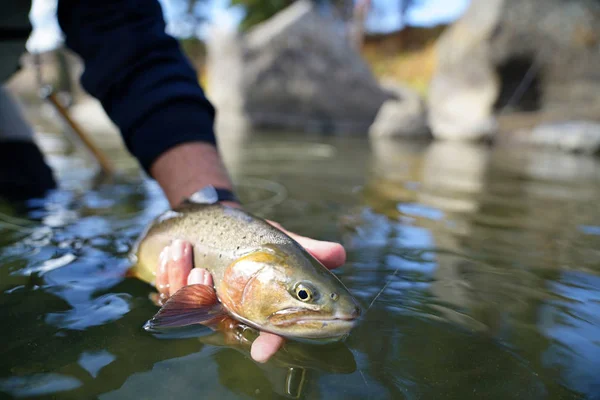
[
  {"x": 200, "y": 276},
  {"x": 331, "y": 254},
  {"x": 162, "y": 277},
  {"x": 179, "y": 265},
  {"x": 265, "y": 346}
]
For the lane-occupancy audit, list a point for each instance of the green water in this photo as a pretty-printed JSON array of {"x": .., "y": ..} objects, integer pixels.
[{"x": 479, "y": 270}]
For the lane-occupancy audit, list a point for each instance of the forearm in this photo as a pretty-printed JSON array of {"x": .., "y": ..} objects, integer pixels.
[
  {"x": 187, "y": 168},
  {"x": 148, "y": 89},
  {"x": 138, "y": 72}
]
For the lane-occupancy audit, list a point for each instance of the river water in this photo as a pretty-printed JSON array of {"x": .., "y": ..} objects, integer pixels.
[{"x": 478, "y": 268}]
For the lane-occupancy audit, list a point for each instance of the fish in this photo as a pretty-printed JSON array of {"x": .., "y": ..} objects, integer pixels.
[{"x": 262, "y": 277}]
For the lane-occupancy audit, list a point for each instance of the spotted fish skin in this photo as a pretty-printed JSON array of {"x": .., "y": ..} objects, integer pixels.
[
  {"x": 219, "y": 235},
  {"x": 262, "y": 277}
]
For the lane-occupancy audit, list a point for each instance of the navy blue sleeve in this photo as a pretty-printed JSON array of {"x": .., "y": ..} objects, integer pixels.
[{"x": 139, "y": 74}]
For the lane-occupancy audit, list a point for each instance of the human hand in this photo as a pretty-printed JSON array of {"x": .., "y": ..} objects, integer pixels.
[{"x": 176, "y": 270}]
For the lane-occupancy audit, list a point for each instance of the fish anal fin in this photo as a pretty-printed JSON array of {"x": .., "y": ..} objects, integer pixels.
[
  {"x": 192, "y": 304},
  {"x": 131, "y": 273}
]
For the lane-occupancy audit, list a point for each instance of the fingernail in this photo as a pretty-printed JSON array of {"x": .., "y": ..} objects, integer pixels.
[
  {"x": 200, "y": 276},
  {"x": 195, "y": 277},
  {"x": 162, "y": 298},
  {"x": 162, "y": 288},
  {"x": 204, "y": 277},
  {"x": 176, "y": 250},
  {"x": 162, "y": 266}
]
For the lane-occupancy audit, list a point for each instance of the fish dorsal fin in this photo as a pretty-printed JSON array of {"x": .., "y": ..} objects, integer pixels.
[{"x": 192, "y": 304}]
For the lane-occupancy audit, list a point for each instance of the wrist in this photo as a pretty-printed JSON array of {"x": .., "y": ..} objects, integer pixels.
[{"x": 187, "y": 168}]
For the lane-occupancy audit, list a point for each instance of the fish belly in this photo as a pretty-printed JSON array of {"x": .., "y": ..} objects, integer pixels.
[{"x": 149, "y": 253}]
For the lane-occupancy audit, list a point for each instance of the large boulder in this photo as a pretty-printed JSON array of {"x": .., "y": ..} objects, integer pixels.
[
  {"x": 296, "y": 71},
  {"x": 509, "y": 57},
  {"x": 404, "y": 115}
]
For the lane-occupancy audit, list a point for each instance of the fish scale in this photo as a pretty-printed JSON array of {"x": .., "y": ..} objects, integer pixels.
[
  {"x": 213, "y": 231},
  {"x": 262, "y": 277}
]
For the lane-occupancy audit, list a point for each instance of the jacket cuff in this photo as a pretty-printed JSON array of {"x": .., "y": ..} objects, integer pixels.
[{"x": 171, "y": 125}]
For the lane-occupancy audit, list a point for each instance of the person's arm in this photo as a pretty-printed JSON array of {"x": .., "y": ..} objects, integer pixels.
[
  {"x": 152, "y": 94},
  {"x": 148, "y": 88},
  {"x": 184, "y": 169}
]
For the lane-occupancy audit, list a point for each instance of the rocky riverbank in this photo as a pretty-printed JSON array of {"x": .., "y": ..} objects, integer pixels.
[
  {"x": 523, "y": 72},
  {"x": 523, "y": 68}
]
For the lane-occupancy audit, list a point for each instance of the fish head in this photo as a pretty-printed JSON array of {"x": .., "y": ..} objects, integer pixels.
[{"x": 290, "y": 293}]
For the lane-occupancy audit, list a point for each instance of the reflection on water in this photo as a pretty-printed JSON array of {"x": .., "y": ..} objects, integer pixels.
[{"x": 479, "y": 269}]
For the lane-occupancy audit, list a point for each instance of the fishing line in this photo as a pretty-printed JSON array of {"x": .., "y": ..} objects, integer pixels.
[
  {"x": 15, "y": 227},
  {"x": 525, "y": 83},
  {"x": 383, "y": 289},
  {"x": 280, "y": 193},
  {"x": 529, "y": 75},
  {"x": 17, "y": 224},
  {"x": 363, "y": 376},
  {"x": 15, "y": 220}
]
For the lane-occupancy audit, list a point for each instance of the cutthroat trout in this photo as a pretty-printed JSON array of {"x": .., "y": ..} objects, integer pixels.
[{"x": 262, "y": 277}]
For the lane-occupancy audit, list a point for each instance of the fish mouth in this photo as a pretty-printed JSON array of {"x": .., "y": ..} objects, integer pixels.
[{"x": 289, "y": 316}]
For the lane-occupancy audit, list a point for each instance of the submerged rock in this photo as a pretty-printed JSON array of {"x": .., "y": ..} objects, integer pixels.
[
  {"x": 404, "y": 115},
  {"x": 513, "y": 56},
  {"x": 571, "y": 136},
  {"x": 296, "y": 71}
]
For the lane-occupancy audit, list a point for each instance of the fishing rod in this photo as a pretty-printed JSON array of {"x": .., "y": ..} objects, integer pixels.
[{"x": 47, "y": 92}]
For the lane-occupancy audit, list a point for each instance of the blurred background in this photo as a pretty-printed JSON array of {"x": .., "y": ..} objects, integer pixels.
[
  {"x": 450, "y": 145},
  {"x": 454, "y": 69}
]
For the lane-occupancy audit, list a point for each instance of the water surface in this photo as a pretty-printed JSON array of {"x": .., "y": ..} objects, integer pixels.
[{"x": 479, "y": 270}]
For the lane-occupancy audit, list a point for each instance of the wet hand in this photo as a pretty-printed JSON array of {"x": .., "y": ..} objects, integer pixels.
[{"x": 176, "y": 270}]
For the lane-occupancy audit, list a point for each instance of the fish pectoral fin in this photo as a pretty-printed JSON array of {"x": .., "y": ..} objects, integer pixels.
[{"x": 192, "y": 304}]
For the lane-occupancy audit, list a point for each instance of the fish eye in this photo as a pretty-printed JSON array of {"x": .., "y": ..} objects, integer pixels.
[{"x": 303, "y": 292}]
